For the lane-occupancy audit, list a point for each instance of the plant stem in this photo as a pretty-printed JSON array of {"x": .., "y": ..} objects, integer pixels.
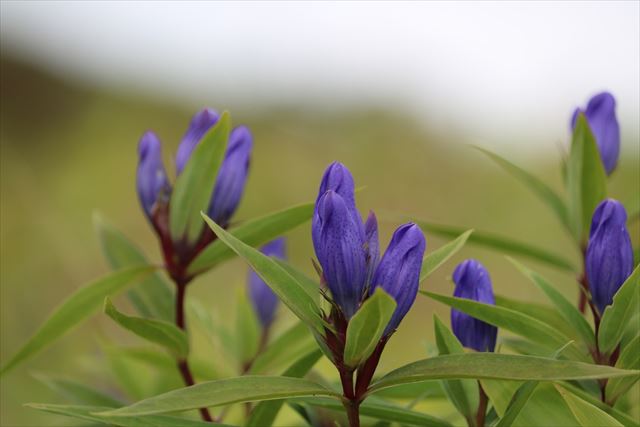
[
  {"x": 353, "y": 412},
  {"x": 482, "y": 407}
]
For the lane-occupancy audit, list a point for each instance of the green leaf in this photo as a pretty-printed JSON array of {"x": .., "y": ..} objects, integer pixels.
[
  {"x": 290, "y": 345},
  {"x": 462, "y": 393},
  {"x": 496, "y": 366},
  {"x": 290, "y": 292},
  {"x": 587, "y": 414},
  {"x": 501, "y": 243},
  {"x": 435, "y": 259},
  {"x": 629, "y": 359},
  {"x": 87, "y": 413},
  {"x": 265, "y": 413},
  {"x": 518, "y": 401},
  {"x": 224, "y": 392},
  {"x": 539, "y": 188},
  {"x": 248, "y": 330},
  {"x": 78, "y": 392},
  {"x": 152, "y": 297},
  {"x": 194, "y": 187},
  {"x": 254, "y": 233},
  {"x": 513, "y": 321},
  {"x": 312, "y": 287},
  {"x": 156, "y": 331},
  {"x": 367, "y": 326},
  {"x": 381, "y": 410},
  {"x": 617, "y": 315},
  {"x": 586, "y": 179},
  {"x": 595, "y": 401},
  {"x": 74, "y": 310},
  {"x": 571, "y": 314}
]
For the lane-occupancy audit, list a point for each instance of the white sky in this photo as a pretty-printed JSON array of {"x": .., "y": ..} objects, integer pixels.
[{"x": 492, "y": 70}]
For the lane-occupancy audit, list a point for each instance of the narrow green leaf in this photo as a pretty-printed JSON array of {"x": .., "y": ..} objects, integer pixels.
[
  {"x": 496, "y": 366},
  {"x": 265, "y": 413},
  {"x": 247, "y": 330},
  {"x": 80, "y": 305},
  {"x": 156, "y": 331},
  {"x": 282, "y": 283},
  {"x": 78, "y": 392},
  {"x": 587, "y": 414},
  {"x": 539, "y": 188},
  {"x": 617, "y": 315},
  {"x": 501, "y": 243},
  {"x": 367, "y": 326},
  {"x": 312, "y": 287},
  {"x": 87, "y": 413},
  {"x": 629, "y": 359},
  {"x": 152, "y": 297},
  {"x": 224, "y": 392},
  {"x": 254, "y": 233},
  {"x": 623, "y": 418},
  {"x": 513, "y": 321},
  {"x": 435, "y": 259},
  {"x": 586, "y": 179},
  {"x": 565, "y": 308},
  {"x": 194, "y": 187},
  {"x": 290, "y": 345},
  {"x": 462, "y": 393}
]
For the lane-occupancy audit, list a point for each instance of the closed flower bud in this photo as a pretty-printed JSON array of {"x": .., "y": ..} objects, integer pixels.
[
  {"x": 473, "y": 282},
  {"x": 152, "y": 183},
  {"x": 399, "y": 270},
  {"x": 601, "y": 116},
  {"x": 200, "y": 124},
  {"x": 232, "y": 176},
  {"x": 372, "y": 245},
  {"x": 264, "y": 301},
  {"x": 609, "y": 256},
  {"x": 339, "y": 246}
]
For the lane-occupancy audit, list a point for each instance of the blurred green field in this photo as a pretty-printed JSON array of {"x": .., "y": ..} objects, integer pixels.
[{"x": 68, "y": 150}]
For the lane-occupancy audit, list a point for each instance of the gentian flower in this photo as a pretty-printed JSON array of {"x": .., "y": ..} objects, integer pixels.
[
  {"x": 399, "y": 271},
  {"x": 264, "y": 301},
  {"x": 152, "y": 183},
  {"x": 200, "y": 124},
  {"x": 473, "y": 282},
  {"x": 609, "y": 256},
  {"x": 601, "y": 116}
]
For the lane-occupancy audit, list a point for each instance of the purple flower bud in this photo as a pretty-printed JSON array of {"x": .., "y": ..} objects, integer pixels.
[
  {"x": 399, "y": 270},
  {"x": 232, "y": 176},
  {"x": 152, "y": 182},
  {"x": 473, "y": 282},
  {"x": 601, "y": 116},
  {"x": 339, "y": 179},
  {"x": 339, "y": 246},
  {"x": 609, "y": 256},
  {"x": 264, "y": 301},
  {"x": 200, "y": 124},
  {"x": 372, "y": 245}
]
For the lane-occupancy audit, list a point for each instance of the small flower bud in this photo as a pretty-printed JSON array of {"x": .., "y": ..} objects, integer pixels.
[
  {"x": 152, "y": 183},
  {"x": 399, "y": 270},
  {"x": 473, "y": 282},
  {"x": 200, "y": 124},
  {"x": 609, "y": 256},
  {"x": 601, "y": 116},
  {"x": 264, "y": 301},
  {"x": 372, "y": 245}
]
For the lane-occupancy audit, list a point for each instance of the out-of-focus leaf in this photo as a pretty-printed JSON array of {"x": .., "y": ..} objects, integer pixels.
[
  {"x": 87, "y": 413},
  {"x": 247, "y": 330},
  {"x": 565, "y": 308},
  {"x": 290, "y": 292},
  {"x": 496, "y": 366},
  {"x": 265, "y": 413},
  {"x": 156, "y": 331},
  {"x": 587, "y": 414},
  {"x": 194, "y": 187},
  {"x": 539, "y": 188},
  {"x": 367, "y": 326},
  {"x": 617, "y": 315},
  {"x": 501, "y": 243},
  {"x": 225, "y": 392},
  {"x": 545, "y": 403},
  {"x": 152, "y": 297},
  {"x": 629, "y": 359},
  {"x": 254, "y": 233},
  {"x": 513, "y": 321},
  {"x": 78, "y": 392},
  {"x": 586, "y": 179},
  {"x": 462, "y": 393},
  {"x": 623, "y": 418},
  {"x": 311, "y": 286},
  {"x": 74, "y": 310},
  {"x": 290, "y": 345},
  {"x": 435, "y": 259}
]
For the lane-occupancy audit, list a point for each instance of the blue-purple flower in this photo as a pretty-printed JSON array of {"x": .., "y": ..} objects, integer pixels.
[
  {"x": 609, "y": 256},
  {"x": 601, "y": 116},
  {"x": 264, "y": 301},
  {"x": 399, "y": 270},
  {"x": 152, "y": 182},
  {"x": 200, "y": 124},
  {"x": 473, "y": 282}
]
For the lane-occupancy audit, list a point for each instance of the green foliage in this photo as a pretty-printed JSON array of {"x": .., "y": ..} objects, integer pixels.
[
  {"x": 629, "y": 359},
  {"x": 617, "y": 315},
  {"x": 247, "y": 331},
  {"x": 435, "y": 259},
  {"x": 587, "y": 414}
]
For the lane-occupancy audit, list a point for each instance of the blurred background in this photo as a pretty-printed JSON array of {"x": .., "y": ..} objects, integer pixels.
[{"x": 396, "y": 91}]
